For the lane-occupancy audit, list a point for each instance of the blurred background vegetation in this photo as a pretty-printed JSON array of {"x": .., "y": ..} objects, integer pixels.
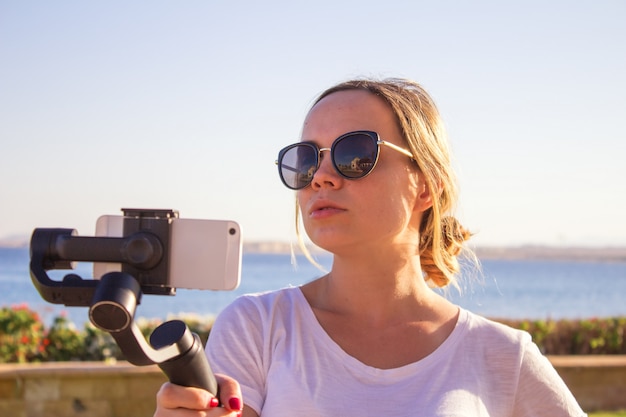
[{"x": 25, "y": 338}]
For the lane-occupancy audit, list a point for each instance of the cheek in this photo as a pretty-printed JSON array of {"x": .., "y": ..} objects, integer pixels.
[
  {"x": 398, "y": 204},
  {"x": 396, "y": 210},
  {"x": 301, "y": 201}
]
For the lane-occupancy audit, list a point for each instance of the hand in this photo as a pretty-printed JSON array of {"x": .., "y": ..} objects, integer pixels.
[{"x": 178, "y": 401}]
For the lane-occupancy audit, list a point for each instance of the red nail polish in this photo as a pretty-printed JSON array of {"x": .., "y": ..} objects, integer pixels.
[
  {"x": 214, "y": 402},
  {"x": 234, "y": 403}
]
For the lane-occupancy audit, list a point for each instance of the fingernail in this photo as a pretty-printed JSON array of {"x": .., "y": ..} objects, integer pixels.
[
  {"x": 214, "y": 402},
  {"x": 234, "y": 403}
]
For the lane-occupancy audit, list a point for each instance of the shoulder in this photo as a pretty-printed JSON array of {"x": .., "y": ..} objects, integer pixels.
[
  {"x": 481, "y": 327},
  {"x": 262, "y": 306},
  {"x": 497, "y": 342},
  {"x": 509, "y": 365},
  {"x": 251, "y": 320}
]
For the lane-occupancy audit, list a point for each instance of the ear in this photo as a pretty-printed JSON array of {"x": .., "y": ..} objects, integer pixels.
[{"x": 424, "y": 196}]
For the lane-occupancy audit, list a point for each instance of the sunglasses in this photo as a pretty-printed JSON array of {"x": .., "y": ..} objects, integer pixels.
[{"x": 354, "y": 155}]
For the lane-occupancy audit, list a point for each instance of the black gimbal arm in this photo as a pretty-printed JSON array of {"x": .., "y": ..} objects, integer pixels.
[
  {"x": 112, "y": 300},
  {"x": 52, "y": 249}
]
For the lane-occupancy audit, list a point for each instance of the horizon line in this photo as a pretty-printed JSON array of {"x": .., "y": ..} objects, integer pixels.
[{"x": 530, "y": 251}]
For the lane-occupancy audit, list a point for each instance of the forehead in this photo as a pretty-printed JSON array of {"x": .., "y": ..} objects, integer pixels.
[{"x": 346, "y": 111}]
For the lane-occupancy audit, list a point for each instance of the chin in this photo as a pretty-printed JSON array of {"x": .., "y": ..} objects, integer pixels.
[{"x": 333, "y": 243}]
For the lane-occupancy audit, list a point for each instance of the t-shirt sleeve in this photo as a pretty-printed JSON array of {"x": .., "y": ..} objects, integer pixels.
[
  {"x": 541, "y": 391},
  {"x": 235, "y": 348}
]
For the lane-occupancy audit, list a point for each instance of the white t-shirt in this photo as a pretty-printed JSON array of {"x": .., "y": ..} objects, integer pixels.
[{"x": 288, "y": 365}]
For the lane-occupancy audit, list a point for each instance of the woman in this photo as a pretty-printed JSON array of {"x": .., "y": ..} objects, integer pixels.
[{"x": 376, "y": 189}]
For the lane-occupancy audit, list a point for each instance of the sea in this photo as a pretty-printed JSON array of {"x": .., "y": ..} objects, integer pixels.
[{"x": 502, "y": 289}]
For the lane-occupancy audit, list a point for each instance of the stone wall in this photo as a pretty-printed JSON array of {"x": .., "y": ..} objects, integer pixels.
[
  {"x": 597, "y": 382},
  {"x": 96, "y": 389},
  {"x": 67, "y": 389}
]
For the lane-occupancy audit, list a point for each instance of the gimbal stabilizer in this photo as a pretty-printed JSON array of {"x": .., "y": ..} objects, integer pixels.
[{"x": 112, "y": 300}]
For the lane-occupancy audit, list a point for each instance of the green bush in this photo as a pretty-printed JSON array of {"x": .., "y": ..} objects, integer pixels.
[
  {"x": 24, "y": 338},
  {"x": 595, "y": 336},
  {"x": 100, "y": 345},
  {"x": 21, "y": 335},
  {"x": 65, "y": 343}
]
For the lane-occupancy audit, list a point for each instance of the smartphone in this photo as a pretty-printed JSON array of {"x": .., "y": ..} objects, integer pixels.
[{"x": 203, "y": 254}]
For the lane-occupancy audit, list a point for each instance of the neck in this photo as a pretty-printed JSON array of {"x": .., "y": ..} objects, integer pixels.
[{"x": 377, "y": 290}]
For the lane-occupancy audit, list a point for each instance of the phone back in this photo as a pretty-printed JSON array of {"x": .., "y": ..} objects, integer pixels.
[{"x": 203, "y": 254}]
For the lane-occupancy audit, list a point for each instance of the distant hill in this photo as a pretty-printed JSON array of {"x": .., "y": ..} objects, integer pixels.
[
  {"x": 16, "y": 241},
  {"x": 529, "y": 252},
  {"x": 565, "y": 253}
]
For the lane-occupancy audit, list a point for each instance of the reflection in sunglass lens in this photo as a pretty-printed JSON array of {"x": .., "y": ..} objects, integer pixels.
[
  {"x": 298, "y": 164},
  {"x": 355, "y": 155}
]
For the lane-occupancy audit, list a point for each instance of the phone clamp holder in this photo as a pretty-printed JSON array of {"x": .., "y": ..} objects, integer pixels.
[{"x": 113, "y": 299}]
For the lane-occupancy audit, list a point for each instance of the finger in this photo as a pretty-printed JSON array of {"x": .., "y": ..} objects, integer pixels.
[
  {"x": 181, "y": 412},
  {"x": 230, "y": 393},
  {"x": 172, "y": 396}
]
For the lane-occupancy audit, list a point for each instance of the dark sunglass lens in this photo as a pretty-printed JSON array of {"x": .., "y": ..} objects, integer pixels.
[
  {"x": 297, "y": 165},
  {"x": 355, "y": 155}
]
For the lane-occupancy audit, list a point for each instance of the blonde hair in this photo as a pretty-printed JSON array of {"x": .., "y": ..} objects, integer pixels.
[{"x": 441, "y": 234}]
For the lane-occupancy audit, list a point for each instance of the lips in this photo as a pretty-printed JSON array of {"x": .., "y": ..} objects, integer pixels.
[{"x": 323, "y": 209}]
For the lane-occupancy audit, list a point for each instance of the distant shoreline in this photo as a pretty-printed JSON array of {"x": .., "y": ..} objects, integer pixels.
[
  {"x": 531, "y": 252},
  {"x": 523, "y": 252}
]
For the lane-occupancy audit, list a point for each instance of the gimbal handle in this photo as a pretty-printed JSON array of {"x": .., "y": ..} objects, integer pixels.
[
  {"x": 177, "y": 351},
  {"x": 190, "y": 368}
]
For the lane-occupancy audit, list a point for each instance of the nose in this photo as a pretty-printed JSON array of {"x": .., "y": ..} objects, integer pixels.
[{"x": 325, "y": 176}]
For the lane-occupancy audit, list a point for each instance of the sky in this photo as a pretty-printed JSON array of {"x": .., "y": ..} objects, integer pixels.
[{"x": 184, "y": 105}]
